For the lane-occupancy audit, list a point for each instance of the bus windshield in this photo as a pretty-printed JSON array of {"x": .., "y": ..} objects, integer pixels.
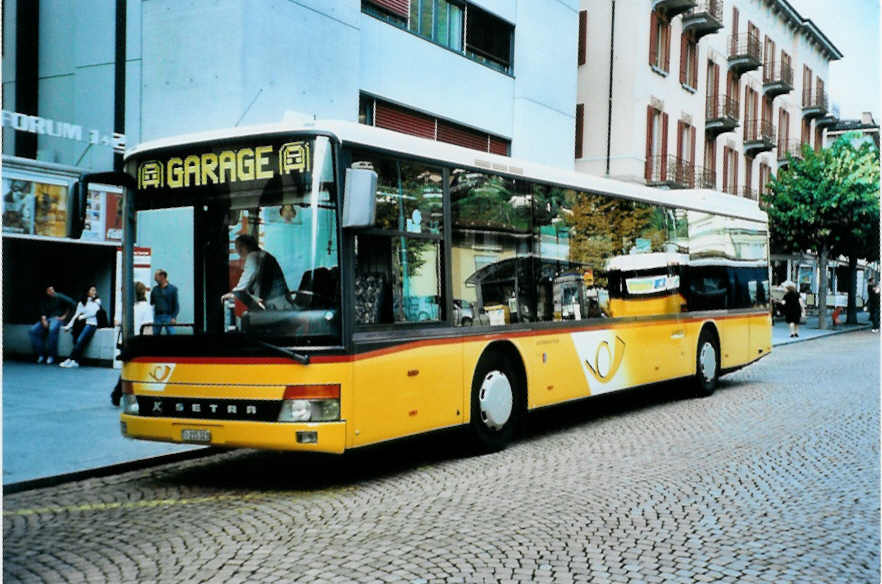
[{"x": 263, "y": 264}]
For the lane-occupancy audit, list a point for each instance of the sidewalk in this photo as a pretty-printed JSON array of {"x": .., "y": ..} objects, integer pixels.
[
  {"x": 58, "y": 421},
  {"x": 809, "y": 330}
]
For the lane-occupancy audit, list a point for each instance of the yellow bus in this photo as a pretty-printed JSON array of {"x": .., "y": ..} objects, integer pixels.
[{"x": 424, "y": 286}]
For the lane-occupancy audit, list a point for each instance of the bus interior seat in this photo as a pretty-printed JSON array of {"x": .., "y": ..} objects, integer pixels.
[
  {"x": 319, "y": 288},
  {"x": 370, "y": 298}
]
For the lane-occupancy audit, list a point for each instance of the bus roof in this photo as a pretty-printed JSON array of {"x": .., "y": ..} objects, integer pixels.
[{"x": 354, "y": 133}]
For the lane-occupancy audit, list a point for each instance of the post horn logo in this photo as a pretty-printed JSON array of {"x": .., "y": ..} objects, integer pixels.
[
  {"x": 612, "y": 362},
  {"x": 160, "y": 373}
]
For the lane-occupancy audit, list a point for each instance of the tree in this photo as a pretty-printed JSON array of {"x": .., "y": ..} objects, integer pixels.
[{"x": 828, "y": 203}]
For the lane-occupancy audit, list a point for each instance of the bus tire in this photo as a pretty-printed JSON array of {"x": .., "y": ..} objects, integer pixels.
[
  {"x": 496, "y": 402},
  {"x": 707, "y": 363}
]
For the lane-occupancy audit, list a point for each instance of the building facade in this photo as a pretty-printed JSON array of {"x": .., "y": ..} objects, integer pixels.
[
  {"x": 493, "y": 75},
  {"x": 866, "y": 129},
  {"x": 699, "y": 93}
]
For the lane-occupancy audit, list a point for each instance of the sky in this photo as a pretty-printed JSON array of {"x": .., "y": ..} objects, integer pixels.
[{"x": 853, "y": 27}]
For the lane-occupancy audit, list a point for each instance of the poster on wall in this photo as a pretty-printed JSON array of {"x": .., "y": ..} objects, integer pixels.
[
  {"x": 103, "y": 214},
  {"x": 34, "y": 207}
]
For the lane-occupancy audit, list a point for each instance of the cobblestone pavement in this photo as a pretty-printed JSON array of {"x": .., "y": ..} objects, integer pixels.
[{"x": 773, "y": 479}]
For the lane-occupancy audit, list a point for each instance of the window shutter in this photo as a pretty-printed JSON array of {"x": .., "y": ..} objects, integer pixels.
[
  {"x": 683, "y": 42},
  {"x": 734, "y": 21},
  {"x": 680, "y": 126},
  {"x": 694, "y": 80},
  {"x": 725, "y": 169},
  {"x": 406, "y": 122},
  {"x": 653, "y": 37},
  {"x": 499, "y": 146},
  {"x": 647, "y": 167},
  {"x": 746, "y": 111},
  {"x": 748, "y": 175},
  {"x": 398, "y": 7},
  {"x": 667, "y": 46},
  {"x": 734, "y": 173},
  {"x": 583, "y": 38},
  {"x": 580, "y": 120},
  {"x": 717, "y": 81},
  {"x": 453, "y": 134},
  {"x": 664, "y": 147},
  {"x": 692, "y": 139}
]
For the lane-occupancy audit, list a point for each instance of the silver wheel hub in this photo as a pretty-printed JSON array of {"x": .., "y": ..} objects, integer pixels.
[
  {"x": 496, "y": 400},
  {"x": 707, "y": 359}
]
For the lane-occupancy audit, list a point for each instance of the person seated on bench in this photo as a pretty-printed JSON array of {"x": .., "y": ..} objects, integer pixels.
[{"x": 262, "y": 284}]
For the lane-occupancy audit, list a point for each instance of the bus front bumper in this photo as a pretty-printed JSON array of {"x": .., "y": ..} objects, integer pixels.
[{"x": 311, "y": 437}]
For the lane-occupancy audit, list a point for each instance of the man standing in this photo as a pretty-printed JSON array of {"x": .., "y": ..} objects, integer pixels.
[
  {"x": 164, "y": 299},
  {"x": 54, "y": 308}
]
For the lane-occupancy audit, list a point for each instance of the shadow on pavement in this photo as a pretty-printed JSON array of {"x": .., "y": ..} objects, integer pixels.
[{"x": 285, "y": 471}]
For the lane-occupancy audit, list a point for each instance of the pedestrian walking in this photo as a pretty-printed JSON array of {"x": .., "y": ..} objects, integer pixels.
[
  {"x": 84, "y": 324},
  {"x": 792, "y": 308},
  {"x": 164, "y": 300},
  {"x": 873, "y": 304},
  {"x": 54, "y": 310}
]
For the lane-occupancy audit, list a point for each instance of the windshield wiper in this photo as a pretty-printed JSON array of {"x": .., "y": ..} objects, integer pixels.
[{"x": 298, "y": 357}]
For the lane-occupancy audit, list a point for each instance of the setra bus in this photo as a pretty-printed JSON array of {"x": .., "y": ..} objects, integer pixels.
[{"x": 427, "y": 286}]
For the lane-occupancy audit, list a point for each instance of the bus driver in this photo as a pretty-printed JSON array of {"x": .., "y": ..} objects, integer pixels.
[{"x": 262, "y": 284}]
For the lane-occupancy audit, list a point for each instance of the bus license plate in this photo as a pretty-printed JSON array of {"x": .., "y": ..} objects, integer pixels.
[{"x": 196, "y": 435}]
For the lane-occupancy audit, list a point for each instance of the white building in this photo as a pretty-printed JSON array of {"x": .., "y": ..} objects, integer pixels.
[{"x": 699, "y": 93}]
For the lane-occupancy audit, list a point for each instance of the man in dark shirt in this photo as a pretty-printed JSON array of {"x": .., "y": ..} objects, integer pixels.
[
  {"x": 54, "y": 310},
  {"x": 164, "y": 298}
]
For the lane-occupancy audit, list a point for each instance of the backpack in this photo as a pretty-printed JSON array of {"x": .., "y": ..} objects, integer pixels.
[{"x": 101, "y": 316}]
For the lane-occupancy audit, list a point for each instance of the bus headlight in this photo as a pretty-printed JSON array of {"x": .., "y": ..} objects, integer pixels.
[
  {"x": 310, "y": 403},
  {"x": 129, "y": 401}
]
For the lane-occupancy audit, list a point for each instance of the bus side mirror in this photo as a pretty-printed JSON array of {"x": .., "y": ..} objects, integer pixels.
[{"x": 360, "y": 198}]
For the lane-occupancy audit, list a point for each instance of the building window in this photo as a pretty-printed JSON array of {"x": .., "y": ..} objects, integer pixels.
[
  {"x": 689, "y": 61},
  {"x": 583, "y": 37},
  {"x": 438, "y": 20},
  {"x": 489, "y": 39},
  {"x": 730, "y": 170},
  {"x": 765, "y": 176},
  {"x": 656, "y": 145},
  {"x": 806, "y": 86},
  {"x": 459, "y": 26},
  {"x": 659, "y": 42},
  {"x": 806, "y": 137},
  {"x": 709, "y": 175},
  {"x": 382, "y": 114},
  {"x": 819, "y": 139},
  {"x": 580, "y": 125},
  {"x": 748, "y": 174},
  {"x": 783, "y": 132}
]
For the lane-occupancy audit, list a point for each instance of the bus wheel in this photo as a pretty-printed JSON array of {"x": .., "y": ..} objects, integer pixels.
[
  {"x": 495, "y": 403},
  {"x": 707, "y": 366}
]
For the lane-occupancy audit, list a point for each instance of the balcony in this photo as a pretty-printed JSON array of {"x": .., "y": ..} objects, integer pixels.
[
  {"x": 720, "y": 115},
  {"x": 759, "y": 136},
  {"x": 814, "y": 104},
  {"x": 777, "y": 79},
  {"x": 672, "y": 172},
  {"x": 794, "y": 149},
  {"x": 704, "y": 19},
  {"x": 830, "y": 118},
  {"x": 744, "y": 53},
  {"x": 672, "y": 8},
  {"x": 705, "y": 178}
]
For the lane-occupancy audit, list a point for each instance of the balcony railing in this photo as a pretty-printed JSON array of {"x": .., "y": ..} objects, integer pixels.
[
  {"x": 706, "y": 18},
  {"x": 720, "y": 114},
  {"x": 793, "y": 148},
  {"x": 759, "y": 136},
  {"x": 777, "y": 79},
  {"x": 744, "y": 52},
  {"x": 749, "y": 193},
  {"x": 705, "y": 178},
  {"x": 814, "y": 103},
  {"x": 671, "y": 171}
]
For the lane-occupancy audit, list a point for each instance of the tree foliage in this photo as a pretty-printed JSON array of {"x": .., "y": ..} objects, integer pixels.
[{"x": 827, "y": 203}]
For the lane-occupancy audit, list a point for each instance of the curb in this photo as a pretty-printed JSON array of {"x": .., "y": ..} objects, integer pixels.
[
  {"x": 113, "y": 469},
  {"x": 827, "y": 333}
]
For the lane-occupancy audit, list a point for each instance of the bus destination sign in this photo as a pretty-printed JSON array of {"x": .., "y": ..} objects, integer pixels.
[{"x": 224, "y": 167}]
